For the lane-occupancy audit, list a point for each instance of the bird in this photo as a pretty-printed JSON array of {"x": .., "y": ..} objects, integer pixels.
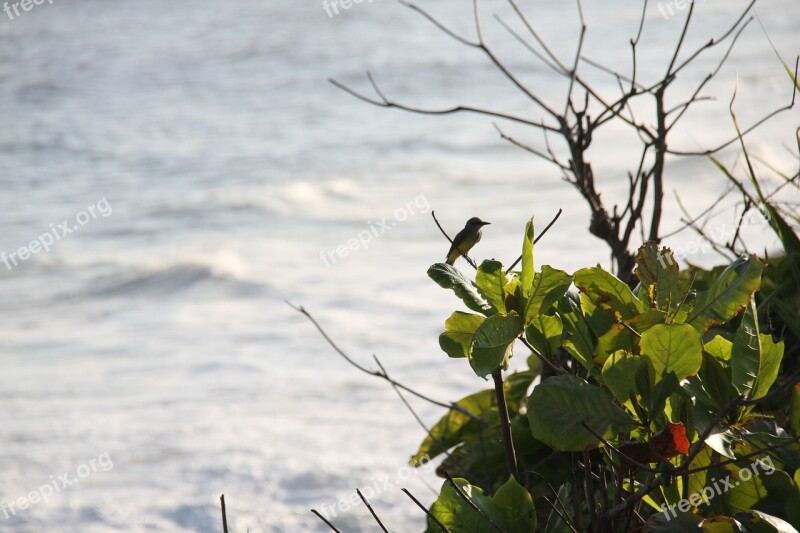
[{"x": 466, "y": 239}]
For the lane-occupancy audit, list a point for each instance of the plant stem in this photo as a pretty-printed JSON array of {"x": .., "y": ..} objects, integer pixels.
[{"x": 508, "y": 441}]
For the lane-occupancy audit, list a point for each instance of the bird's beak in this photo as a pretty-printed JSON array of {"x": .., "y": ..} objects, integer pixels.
[{"x": 485, "y": 223}]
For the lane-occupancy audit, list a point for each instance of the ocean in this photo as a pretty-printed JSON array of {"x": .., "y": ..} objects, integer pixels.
[{"x": 186, "y": 169}]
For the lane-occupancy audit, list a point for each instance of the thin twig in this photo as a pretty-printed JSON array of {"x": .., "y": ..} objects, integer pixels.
[
  {"x": 446, "y": 111},
  {"x": 224, "y": 514},
  {"x": 509, "y": 269},
  {"x": 452, "y": 406},
  {"x": 372, "y": 511},
  {"x": 427, "y": 512},
  {"x": 325, "y": 520},
  {"x": 502, "y": 409},
  {"x": 470, "y": 502}
]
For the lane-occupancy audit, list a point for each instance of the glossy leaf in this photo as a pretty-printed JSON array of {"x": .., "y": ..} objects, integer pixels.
[
  {"x": 755, "y": 359},
  {"x": 558, "y": 406},
  {"x": 657, "y": 270},
  {"x": 458, "y": 516},
  {"x": 517, "y": 504},
  {"x": 549, "y": 286},
  {"x": 608, "y": 292},
  {"x": 491, "y": 279},
  {"x": 675, "y": 348},
  {"x": 729, "y": 293},
  {"x": 493, "y": 342},
  {"x": 458, "y": 331},
  {"x": 449, "y": 277},
  {"x": 544, "y": 333},
  {"x": 619, "y": 373},
  {"x": 578, "y": 342},
  {"x": 453, "y": 427},
  {"x": 527, "y": 274}
]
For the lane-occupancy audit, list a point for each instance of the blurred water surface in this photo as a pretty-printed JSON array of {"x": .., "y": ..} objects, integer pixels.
[{"x": 159, "y": 334}]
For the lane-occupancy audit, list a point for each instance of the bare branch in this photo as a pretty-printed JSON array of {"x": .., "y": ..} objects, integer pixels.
[
  {"x": 427, "y": 512},
  {"x": 372, "y": 511},
  {"x": 447, "y": 111}
]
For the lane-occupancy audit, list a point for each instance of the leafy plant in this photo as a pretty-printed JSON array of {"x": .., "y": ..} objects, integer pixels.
[{"x": 633, "y": 402}]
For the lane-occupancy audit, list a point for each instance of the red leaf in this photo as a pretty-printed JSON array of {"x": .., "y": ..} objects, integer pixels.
[{"x": 666, "y": 444}]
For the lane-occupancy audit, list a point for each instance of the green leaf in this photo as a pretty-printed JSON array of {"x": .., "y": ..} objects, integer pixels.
[
  {"x": 449, "y": 277},
  {"x": 493, "y": 342},
  {"x": 544, "y": 333},
  {"x": 559, "y": 405},
  {"x": 549, "y": 286},
  {"x": 527, "y": 274},
  {"x": 579, "y": 341},
  {"x": 620, "y": 337},
  {"x": 458, "y": 331},
  {"x": 758, "y": 522},
  {"x": 454, "y": 426},
  {"x": 517, "y": 504},
  {"x": 719, "y": 347},
  {"x": 608, "y": 292},
  {"x": 699, "y": 480},
  {"x": 658, "y": 271},
  {"x": 458, "y": 516},
  {"x": 716, "y": 382},
  {"x": 755, "y": 359},
  {"x": 490, "y": 279},
  {"x": 619, "y": 374},
  {"x": 675, "y": 348},
  {"x": 599, "y": 320},
  {"x": 746, "y": 493},
  {"x": 729, "y": 293}
]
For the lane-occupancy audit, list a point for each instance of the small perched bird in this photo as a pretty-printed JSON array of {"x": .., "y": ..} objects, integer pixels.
[{"x": 466, "y": 239}]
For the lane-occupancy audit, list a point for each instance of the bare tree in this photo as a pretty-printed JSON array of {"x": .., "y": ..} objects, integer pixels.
[{"x": 577, "y": 128}]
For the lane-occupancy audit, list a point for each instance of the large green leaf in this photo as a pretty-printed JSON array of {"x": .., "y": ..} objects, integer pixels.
[
  {"x": 608, "y": 292},
  {"x": 490, "y": 279},
  {"x": 755, "y": 359},
  {"x": 658, "y": 271},
  {"x": 517, "y": 504},
  {"x": 746, "y": 492},
  {"x": 676, "y": 348},
  {"x": 492, "y": 343},
  {"x": 729, "y": 293},
  {"x": 544, "y": 333},
  {"x": 454, "y": 426},
  {"x": 549, "y": 286},
  {"x": 719, "y": 347},
  {"x": 619, "y": 373},
  {"x": 579, "y": 341},
  {"x": 625, "y": 335},
  {"x": 558, "y": 407},
  {"x": 458, "y": 331},
  {"x": 449, "y": 277},
  {"x": 458, "y": 516}
]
